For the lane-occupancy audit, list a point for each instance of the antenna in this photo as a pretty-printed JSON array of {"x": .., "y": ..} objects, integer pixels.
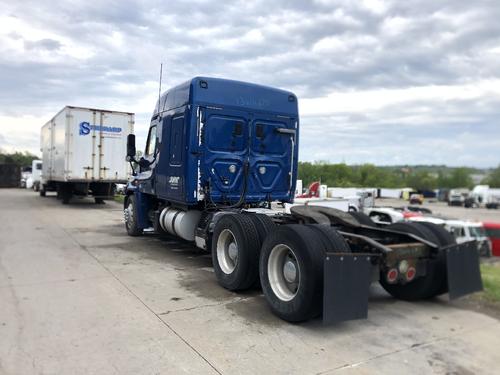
[{"x": 159, "y": 89}]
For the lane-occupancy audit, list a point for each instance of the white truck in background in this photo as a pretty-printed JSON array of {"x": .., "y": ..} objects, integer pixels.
[
  {"x": 83, "y": 152},
  {"x": 485, "y": 196},
  {"x": 462, "y": 230},
  {"x": 36, "y": 173}
]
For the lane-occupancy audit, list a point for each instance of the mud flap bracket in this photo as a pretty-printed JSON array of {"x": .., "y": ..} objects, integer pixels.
[
  {"x": 462, "y": 264},
  {"x": 347, "y": 279}
]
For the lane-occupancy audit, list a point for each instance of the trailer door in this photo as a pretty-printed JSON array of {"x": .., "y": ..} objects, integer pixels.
[{"x": 111, "y": 146}]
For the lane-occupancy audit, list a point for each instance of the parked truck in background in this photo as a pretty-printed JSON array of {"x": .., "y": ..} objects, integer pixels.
[
  {"x": 83, "y": 152},
  {"x": 36, "y": 174},
  {"x": 456, "y": 197},
  {"x": 221, "y": 156}
]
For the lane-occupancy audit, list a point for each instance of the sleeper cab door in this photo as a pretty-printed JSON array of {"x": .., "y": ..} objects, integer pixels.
[
  {"x": 170, "y": 177},
  {"x": 271, "y": 157}
]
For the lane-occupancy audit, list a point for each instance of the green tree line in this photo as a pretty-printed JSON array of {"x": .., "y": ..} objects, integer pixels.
[
  {"x": 369, "y": 175},
  {"x": 23, "y": 159}
]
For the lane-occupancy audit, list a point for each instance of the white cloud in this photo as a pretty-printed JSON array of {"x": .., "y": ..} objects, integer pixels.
[{"x": 375, "y": 78}]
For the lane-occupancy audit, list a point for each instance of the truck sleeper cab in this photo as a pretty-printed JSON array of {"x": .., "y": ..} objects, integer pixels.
[{"x": 219, "y": 153}]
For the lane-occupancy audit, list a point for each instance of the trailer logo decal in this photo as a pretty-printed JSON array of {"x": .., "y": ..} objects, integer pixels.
[{"x": 86, "y": 127}]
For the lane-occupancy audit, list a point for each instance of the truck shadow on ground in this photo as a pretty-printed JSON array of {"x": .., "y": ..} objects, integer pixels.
[
  {"x": 195, "y": 274},
  {"x": 86, "y": 203}
]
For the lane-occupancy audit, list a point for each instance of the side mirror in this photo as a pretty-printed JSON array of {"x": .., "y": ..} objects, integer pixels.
[{"x": 131, "y": 146}]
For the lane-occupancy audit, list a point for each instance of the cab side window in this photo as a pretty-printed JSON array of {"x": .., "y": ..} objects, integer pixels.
[{"x": 151, "y": 144}]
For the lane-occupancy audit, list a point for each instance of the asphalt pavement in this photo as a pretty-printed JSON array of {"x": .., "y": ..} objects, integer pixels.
[{"x": 78, "y": 296}]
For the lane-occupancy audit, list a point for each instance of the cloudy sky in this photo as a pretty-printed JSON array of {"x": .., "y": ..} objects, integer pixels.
[{"x": 385, "y": 82}]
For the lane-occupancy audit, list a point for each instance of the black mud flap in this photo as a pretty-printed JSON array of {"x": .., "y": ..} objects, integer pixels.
[
  {"x": 347, "y": 279},
  {"x": 464, "y": 275}
]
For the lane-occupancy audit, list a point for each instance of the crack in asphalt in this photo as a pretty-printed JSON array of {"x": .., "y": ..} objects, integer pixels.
[{"x": 221, "y": 303}]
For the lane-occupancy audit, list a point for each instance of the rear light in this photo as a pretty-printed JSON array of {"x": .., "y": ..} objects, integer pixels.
[
  {"x": 392, "y": 275},
  {"x": 403, "y": 266},
  {"x": 410, "y": 274}
]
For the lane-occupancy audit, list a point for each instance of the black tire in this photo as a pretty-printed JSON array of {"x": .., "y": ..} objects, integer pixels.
[
  {"x": 424, "y": 287},
  {"x": 42, "y": 191},
  {"x": 130, "y": 212},
  {"x": 239, "y": 231},
  {"x": 307, "y": 248},
  {"x": 66, "y": 197},
  {"x": 333, "y": 241},
  {"x": 99, "y": 200},
  {"x": 444, "y": 237},
  {"x": 363, "y": 218},
  {"x": 263, "y": 224},
  {"x": 64, "y": 192}
]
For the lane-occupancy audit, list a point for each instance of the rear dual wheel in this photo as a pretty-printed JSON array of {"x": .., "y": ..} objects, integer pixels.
[
  {"x": 291, "y": 269},
  {"x": 434, "y": 282},
  {"x": 235, "y": 252},
  {"x": 289, "y": 262}
]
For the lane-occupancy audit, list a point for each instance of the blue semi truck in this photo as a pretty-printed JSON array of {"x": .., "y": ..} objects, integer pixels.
[{"x": 221, "y": 155}]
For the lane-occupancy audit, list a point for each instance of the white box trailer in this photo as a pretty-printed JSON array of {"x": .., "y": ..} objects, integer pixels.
[{"x": 84, "y": 152}]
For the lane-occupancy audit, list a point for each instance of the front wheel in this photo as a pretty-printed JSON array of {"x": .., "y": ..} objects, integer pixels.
[{"x": 130, "y": 213}]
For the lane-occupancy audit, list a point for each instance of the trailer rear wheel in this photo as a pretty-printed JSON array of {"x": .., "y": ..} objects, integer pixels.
[
  {"x": 424, "y": 287},
  {"x": 235, "y": 252},
  {"x": 131, "y": 217},
  {"x": 66, "y": 196},
  {"x": 291, "y": 269}
]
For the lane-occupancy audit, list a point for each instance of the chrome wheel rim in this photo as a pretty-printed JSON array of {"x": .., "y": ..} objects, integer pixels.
[
  {"x": 284, "y": 272},
  {"x": 227, "y": 251},
  {"x": 129, "y": 213}
]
